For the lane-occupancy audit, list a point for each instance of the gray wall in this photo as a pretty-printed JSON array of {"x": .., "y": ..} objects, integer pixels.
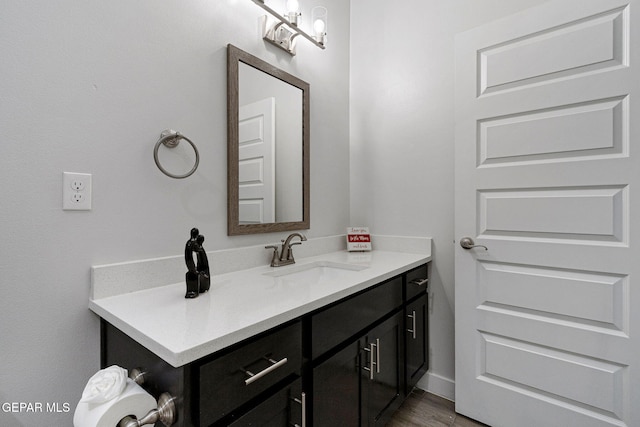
[
  {"x": 402, "y": 136},
  {"x": 88, "y": 86}
]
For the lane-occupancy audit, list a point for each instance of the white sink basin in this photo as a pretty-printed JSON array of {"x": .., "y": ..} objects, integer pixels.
[{"x": 315, "y": 272}]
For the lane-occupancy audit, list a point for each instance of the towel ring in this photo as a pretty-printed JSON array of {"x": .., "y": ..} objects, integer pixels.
[{"x": 170, "y": 139}]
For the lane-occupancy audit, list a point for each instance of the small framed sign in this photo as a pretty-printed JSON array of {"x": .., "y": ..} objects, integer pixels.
[{"x": 358, "y": 239}]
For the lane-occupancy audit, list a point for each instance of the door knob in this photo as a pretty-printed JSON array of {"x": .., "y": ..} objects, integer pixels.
[{"x": 468, "y": 243}]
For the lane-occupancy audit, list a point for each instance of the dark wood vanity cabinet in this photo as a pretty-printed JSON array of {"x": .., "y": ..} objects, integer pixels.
[
  {"x": 350, "y": 363},
  {"x": 361, "y": 383}
]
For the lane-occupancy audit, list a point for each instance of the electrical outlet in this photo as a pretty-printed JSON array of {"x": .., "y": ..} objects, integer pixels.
[
  {"x": 77, "y": 198},
  {"x": 77, "y": 184},
  {"x": 76, "y": 191}
]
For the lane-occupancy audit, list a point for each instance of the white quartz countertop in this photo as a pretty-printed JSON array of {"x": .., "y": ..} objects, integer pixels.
[{"x": 240, "y": 304}]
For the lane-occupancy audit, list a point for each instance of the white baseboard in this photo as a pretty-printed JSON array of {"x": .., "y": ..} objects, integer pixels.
[{"x": 440, "y": 386}]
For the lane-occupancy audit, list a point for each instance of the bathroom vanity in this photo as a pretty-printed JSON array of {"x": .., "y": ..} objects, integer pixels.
[{"x": 337, "y": 339}]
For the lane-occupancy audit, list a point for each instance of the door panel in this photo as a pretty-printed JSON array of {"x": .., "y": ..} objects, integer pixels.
[
  {"x": 336, "y": 389},
  {"x": 527, "y": 288},
  {"x": 545, "y": 178},
  {"x": 595, "y": 383},
  {"x": 551, "y": 53},
  {"x": 554, "y": 135},
  {"x": 381, "y": 394},
  {"x": 551, "y": 213},
  {"x": 417, "y": 339}
]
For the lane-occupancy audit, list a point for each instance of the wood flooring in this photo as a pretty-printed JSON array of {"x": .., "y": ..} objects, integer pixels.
[{"x": 422, "y": 409}]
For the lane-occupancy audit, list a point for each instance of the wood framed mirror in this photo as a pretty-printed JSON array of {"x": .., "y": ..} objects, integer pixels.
[{"x": 267, "y": 148}]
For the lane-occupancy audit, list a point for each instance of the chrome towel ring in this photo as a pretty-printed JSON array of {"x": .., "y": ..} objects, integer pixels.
[{"x": 170, "y": 139}]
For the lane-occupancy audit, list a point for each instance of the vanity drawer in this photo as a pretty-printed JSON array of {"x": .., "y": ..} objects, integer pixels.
[
  {"x": 283, "y": 408},
  {"x": 242, "y": 374},
  {"x": 343, "y": 320},
  {"x": 417, "y": 281}
]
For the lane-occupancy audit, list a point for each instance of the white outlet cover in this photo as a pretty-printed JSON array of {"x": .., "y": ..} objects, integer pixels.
[{"x": 76, "y": 191}]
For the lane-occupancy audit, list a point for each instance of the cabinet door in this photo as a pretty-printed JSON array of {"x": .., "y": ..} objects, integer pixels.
[
  {"x": 336, "y": 389},
  {"x": 382, "y": 372},
  {"x": 417, "y": 341},
  {"x": 283, "y": 409}
]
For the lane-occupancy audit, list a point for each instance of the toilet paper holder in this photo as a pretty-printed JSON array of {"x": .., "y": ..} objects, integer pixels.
[{"x": 165, "y": 412}]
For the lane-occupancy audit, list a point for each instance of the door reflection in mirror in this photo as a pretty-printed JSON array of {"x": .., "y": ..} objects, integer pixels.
[{"x": 270, "y": 148}]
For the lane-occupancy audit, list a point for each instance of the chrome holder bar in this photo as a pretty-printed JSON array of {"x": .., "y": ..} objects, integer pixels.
[{"x": 165, "y": 413}]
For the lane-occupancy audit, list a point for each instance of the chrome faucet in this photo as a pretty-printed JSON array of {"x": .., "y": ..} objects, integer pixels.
[{"x": 286, "y": 253}]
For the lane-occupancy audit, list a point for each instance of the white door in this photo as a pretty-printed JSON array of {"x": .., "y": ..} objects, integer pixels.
[
  {"x": 548, "y": 179},
  {"x": 256, "y": 162}
]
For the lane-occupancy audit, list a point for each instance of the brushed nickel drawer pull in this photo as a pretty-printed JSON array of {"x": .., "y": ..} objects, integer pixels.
[
  {"x": 371, "y": 362},
  {"x": 371, "y": 358},
  {"x": 304, "y": 409},
  {"x": 413, "y": 327},
  {"x": 419, "y": 282},
  {"x": 303, "y": 404},
  {"x": 254, "y": 377}
]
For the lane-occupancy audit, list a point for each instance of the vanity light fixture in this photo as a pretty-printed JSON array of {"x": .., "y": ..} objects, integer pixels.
[{"x": 285, "y": 30}]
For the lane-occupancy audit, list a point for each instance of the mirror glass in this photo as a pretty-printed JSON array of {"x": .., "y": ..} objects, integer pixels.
[{"x": 268, "y": 147}]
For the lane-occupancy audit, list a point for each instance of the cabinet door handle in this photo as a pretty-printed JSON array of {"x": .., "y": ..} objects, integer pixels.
[
  {"x": 254, "y": 377},
  {"x": 304, "y": 409},
  {"x": 419, "y": 282},
  {"x": 303, "y": 403},
  {"x": 371, "y": 361},
  {"x": 377, "y": 355},
  {"x": 413, "y": 321}
]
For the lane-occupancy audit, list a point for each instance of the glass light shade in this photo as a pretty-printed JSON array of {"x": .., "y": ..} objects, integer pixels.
[
  {"x": 292, "y": 12},
  {"x": 293, "y": 5},
  {"x": 319, "y": 19}
]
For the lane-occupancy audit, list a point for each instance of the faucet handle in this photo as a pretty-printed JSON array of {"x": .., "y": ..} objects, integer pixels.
[
  {"x": 274, "y": 258},
  {"x": 289, "y": 254},
  {"x": 275, "y": 249}
]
